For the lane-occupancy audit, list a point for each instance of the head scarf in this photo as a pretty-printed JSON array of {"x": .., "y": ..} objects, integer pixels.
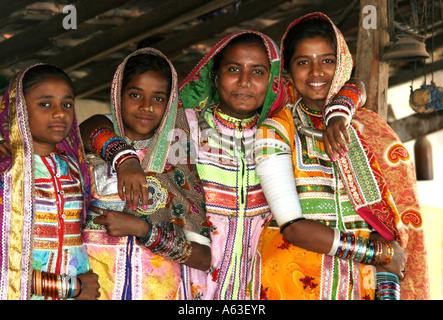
[
  {"x": 185, "y": 200},
  {"x": 344, "y": 63},
  {"x": 196, "y": 90},
  {"x": 16, "y": 189}
]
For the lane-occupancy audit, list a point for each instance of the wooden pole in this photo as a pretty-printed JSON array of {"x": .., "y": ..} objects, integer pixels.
[{"x": 370, "y": 44}]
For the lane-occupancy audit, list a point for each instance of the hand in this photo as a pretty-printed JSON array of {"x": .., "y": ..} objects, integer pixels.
[
  {"x": 335, "y": 137},
  {"x": 398, "y": 262},
  {"x": 90, "y": 286},
  {"x": 119, "y": 224},
  {"x": 131, "y": 181},
  {"x": 5, "y": 149}
]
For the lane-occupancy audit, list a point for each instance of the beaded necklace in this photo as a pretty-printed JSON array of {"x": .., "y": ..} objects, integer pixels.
[{"x": 139, "y": 144}]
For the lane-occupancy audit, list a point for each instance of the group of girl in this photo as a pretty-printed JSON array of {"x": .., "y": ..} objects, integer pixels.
[{"x": 285, "y": 188}]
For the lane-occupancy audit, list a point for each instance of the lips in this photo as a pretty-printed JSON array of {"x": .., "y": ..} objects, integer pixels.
[
  {"x": 58, "y": 127},
  {"x": 144, "y": 118}
]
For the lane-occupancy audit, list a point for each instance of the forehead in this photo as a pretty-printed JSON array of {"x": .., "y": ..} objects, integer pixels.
[
  {"x": 50, "y": 85},
  {"x": 317, "y": 44},
  {"x": 149, "y": 78},
  {"x": 246, "y": 51}
]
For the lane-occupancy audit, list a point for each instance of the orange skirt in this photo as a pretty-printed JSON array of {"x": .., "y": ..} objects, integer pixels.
[{"x": 293, "y": 273}]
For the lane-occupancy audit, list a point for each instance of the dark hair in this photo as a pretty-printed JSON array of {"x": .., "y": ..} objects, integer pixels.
[
  {"x": 247, "y": 38},
  {"x": 145, "y": 62},
  {"x": 306, "y": 29},
  {"x": 42, "y": 72}
]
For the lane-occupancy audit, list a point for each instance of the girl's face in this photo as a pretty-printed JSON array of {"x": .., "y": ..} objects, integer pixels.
[
  {"x": 243, "y": 79},
  {"x": 50, "y": 106},
  {"x": 312, "y": 69},
  {"x": 144, "y": 101}
]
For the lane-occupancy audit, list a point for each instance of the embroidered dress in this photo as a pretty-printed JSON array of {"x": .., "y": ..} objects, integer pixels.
[
  {"x": 128, "y": 271},
  {"x": 235, "y": 205},
  {"x": 42, "y": 202},
  {"x": 58, "y": 246},
  {"x": 357, "y": 195}
]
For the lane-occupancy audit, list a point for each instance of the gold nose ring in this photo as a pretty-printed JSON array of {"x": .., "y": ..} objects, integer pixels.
[
  {"x": 151, "y": 108},
  {"x": 321, "y": 73},
  {"x": 249, "y": 84}
]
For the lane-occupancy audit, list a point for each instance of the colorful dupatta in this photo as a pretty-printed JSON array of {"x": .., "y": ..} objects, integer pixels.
[{"x": 17, "y": 190}]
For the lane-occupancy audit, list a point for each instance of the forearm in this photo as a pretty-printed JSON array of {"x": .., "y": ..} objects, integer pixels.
[{"x": 88, "y": 126}]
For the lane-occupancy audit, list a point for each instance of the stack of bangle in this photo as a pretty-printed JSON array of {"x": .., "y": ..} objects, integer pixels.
[
  {"x": 344, "y": 103},
  {"x": 51, "y": 285},
  {"x": 366, "y": 251},
  {"x": 387, "y": 286},
  {"x": 167, "y": 244},
  {"x": 112, "y": 148}
]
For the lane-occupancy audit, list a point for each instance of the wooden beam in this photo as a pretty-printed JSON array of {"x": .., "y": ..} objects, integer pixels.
[
  {"x": 368, "y": 67},
  {"x": 34, "y": 38},
  {"x": 161, "y": 18},
  {"x": 9, "y": 6},
  {"x": 173, "y": 45},
  {"x": 418, "y": 125}
]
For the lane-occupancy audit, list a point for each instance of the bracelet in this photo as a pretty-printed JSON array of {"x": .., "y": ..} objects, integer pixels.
[
  {"x": 287, "y": 224},
  {"x": 80, "y": 290},
  {"x": 350, "y": 247},
  {"x": 387, "y": 286},
  {"x": 52, "y": 285},
  {"x": 389, "y": 255}
]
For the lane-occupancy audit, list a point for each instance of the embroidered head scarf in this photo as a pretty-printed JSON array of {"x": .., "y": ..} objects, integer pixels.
[
  {"x": 16, "y": 189},
  {"x": 184, "y": 200},
  {"x": 197, "y": 89}
]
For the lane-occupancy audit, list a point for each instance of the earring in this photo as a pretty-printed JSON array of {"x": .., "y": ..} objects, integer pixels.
[{"x": 151, "y": 108}]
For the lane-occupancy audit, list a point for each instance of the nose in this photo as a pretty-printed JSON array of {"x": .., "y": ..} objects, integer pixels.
[
  {"x": 145, "y": 105},
  {"x": 316, "y": 70},
  {"x": 244, "y": 80},
  {"x": 59, "y": 111}
]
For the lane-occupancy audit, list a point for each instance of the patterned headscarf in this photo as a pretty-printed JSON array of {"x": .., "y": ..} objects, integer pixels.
[
  {"x": 344, "y": 63},
  {"x": 196, "y": 90},
  {"x": 17, "y": 188}
]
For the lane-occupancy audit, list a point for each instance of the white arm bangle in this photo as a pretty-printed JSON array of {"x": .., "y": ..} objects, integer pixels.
[
  {"x": 336, "y": 242},
  {"x": 195, "y": 237},
  {"x": 341, "y": 114},
  {"x": 278, "y": 184}
]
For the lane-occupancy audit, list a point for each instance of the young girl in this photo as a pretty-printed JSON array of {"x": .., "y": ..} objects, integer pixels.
[
  {"x": 43, "y": 193},
  {"x": 137, "y": 250}
]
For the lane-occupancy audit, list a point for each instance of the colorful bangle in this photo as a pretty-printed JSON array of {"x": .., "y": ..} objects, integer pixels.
[{"x": 387, "y": 286}]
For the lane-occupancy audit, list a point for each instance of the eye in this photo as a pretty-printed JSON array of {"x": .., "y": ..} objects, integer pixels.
[
  {"x": 302, "y": 62},
  {"x": 329, "y": 60},
  {"x": 259, "y": 72},
  {"x": 233, "y": 69},
  {"x": 159, "y": 99},
  {"x": 135, "y": 95},
  {"x": 68, "y": 105},
  {"x": 45, "y": 104}
]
